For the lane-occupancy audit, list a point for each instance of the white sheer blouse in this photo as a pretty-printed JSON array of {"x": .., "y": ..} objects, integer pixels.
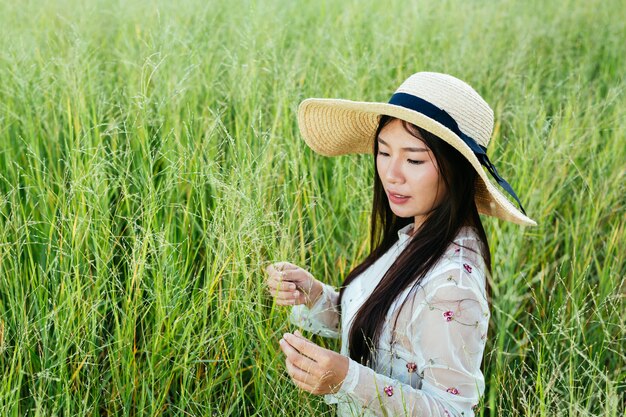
[{"x": 432, "y": 366}]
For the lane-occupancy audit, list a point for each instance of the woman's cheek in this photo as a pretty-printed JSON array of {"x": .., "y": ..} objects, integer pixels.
[
  {"x": 379, "y": 166},
  {"x": 435, "y": 190}
]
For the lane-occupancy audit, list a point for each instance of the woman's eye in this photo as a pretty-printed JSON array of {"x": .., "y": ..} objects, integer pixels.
[{"x": 411, "y": 161}]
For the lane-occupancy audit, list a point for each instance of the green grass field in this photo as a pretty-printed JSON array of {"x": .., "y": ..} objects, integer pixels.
[{"x": 151, "y": 166}]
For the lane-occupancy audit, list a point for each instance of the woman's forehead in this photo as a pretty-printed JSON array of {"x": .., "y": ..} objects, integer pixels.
[{"x": 396, "y": 135}]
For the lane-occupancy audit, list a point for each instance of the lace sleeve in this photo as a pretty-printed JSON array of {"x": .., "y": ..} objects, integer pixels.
[{"x": 323, "y": 317}]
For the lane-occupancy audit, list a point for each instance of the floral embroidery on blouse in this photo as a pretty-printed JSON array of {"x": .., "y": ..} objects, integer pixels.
[
  {"x": 456, "y": 291},
  {"x": 451, "y": 278}
]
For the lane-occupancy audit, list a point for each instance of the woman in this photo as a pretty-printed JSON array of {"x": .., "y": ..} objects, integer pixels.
[{"x": 413, "y": 316}]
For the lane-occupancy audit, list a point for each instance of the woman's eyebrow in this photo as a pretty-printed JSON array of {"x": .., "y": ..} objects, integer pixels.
[{"x": 405, "y": 149}]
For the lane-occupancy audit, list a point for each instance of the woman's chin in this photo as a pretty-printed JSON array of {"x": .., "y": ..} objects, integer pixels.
[{"x": 401, "y": 212}]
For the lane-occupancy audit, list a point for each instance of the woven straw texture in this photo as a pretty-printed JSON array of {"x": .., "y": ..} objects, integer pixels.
[{"x": 334, "y": 127}]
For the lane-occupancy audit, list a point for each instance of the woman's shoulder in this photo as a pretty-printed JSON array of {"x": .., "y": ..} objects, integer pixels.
[
  {"x": 467, "y": 246},
  {"x": 467, "y": 233},
  {"x": 462, "y": 263}
]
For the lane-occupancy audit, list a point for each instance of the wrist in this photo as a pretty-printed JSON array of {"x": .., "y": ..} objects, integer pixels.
[
  {"x": 314, "y": 294},
  {"x": 341, "y": 373}
]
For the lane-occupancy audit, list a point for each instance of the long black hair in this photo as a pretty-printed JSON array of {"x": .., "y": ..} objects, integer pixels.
[{"x": 457, "y": 209}]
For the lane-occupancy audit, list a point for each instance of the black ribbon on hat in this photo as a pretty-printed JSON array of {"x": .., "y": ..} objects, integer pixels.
[{"x": 439, "y": 115}]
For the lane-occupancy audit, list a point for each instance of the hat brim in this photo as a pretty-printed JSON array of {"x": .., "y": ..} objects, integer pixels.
[{"x": 333, "y": 127}]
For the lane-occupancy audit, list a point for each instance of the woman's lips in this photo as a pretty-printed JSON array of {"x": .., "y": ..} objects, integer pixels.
[{"x": 397, "y": 200}]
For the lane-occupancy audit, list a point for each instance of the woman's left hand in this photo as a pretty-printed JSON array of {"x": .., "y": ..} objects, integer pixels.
[{"x": 311, "y": 367}]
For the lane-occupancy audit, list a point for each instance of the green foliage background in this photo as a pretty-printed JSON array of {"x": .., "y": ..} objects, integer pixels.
[{"x": 151, "y": 166}]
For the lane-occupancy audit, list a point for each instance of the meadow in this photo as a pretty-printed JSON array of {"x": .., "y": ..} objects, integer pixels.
[{"x": 151, "y": 167}]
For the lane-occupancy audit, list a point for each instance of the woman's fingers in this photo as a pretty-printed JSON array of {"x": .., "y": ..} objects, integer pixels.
[
  {"x": 296, "y": 378},
  {"x": 285, "y": 293},
  {"x": 297, "y": 276},
  {"x": 296, "y": 373},
  {"x": 295, "y": 282},
  {"x": 285, "y": 297},
  {"x": 278, "y": 284},
  {"x": 303, "y": 362},
  {"x": 302, "y": 379},
  {"x": 277, "y": 280},
  {"x": 275, "y": 277},
  {"x": 287, "y": 272},
  {"x": 274, "y": 285},
  {"x": 280, "y": 267}
]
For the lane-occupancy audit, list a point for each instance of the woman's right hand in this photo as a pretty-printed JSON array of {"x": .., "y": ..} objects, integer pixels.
[{"x": 290, "y": 285}]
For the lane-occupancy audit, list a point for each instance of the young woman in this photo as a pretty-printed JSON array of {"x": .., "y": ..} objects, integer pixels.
[{"x": 413, "y": 316}]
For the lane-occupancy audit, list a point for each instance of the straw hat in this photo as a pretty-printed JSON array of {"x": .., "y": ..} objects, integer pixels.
[{"x": 439, "y": 103}]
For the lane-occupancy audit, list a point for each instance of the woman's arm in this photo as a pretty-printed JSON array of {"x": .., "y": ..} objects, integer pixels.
[{"x": 322, "y": 317}]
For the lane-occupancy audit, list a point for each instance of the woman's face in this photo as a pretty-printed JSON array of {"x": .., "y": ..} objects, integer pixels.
[{"x": 407, "y": 167}]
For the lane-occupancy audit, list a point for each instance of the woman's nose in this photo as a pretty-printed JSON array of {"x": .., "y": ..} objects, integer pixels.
[{"x": 394, "y": 172}]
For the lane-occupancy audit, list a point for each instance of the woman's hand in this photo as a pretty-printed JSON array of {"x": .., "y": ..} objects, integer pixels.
[
  {"x": 291, "y": 285},
  {"x": 311, "y": 367}
]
